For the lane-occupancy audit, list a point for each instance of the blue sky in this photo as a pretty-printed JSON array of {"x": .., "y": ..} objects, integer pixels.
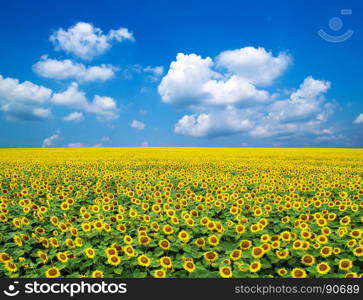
[{"x": 188, "y": 73}]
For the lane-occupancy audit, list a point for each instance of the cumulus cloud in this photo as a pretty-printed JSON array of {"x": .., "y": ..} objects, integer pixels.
[
  {"x": 50, "y": 141},
  {"x": 105, "y": 108},
  {"x": 74, "y": 117},
  {"x": 191, "y": 81},
  {"x": 295, "y": 115},
  {"x": 137, "y": 125},
  {"x": 256, "y": 65},
  {"x": 75, "y": 145},
  {"x": 225, "y": 96},
  {"x": 304, "y": 104},
  {"x": 144, "y": 144},
  {"x": 219, "y": 122},
  {"x": 359, "y": 119},
  {"x": 12, "y": 90},
  {"x": 67, "y": 69},
  {"x": 87, "y": 41},
  {"x": 23, "y": 100},
  {"x": 72, "y": 97},
  {"x": 154, "y": 72}
]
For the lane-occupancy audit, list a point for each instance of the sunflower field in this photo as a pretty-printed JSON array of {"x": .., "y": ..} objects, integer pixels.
[{"x": 181, "y": 212}]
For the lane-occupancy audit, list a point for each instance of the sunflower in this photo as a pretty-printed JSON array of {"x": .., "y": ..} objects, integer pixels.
[
  {"x": 111, "y": 251},
  {"x": 213, "y": 240},
  {"x": 225, "y": 272},
  {"x": 265, "y": 238},
  {"x": 17, "y": 240},
  {"x": 164, "y": 244},
  {"x": 167, "y": 229},
  {"x": 97, "y": 274},
  {"x": 166, "y": 262},
  {"x": 351, "y": 243},
  {"x": 326, "y": 251},
  {"x": 257, "y": 252},
  {"x": 90, "y": 253},
  {"x": 282, "y": 271},
  {"x": 236, "y": 254},
  {"x": 345, "y": 264},
  {"x": 200, "y": 242},
  {"x": 4, "y": 257},
  {"x": 54, "y": 242},
  {"x": 358, "y": 251},
  {"x": 128, "y": 239},
  {"x": 144, "y": 260},
  {"x": 62, "y": 256},
  {"x": 255, "y": 266},
  {"x": 356, "y": 233},
  {"x": 240, "y": 229},
  {"x": 308, "y": 260},
  {"x": 184, "y": 236},
  {"x": 86, "y": 227},
  {"x": 70, "y": 244},
  {"x": 283, "y": 254},
  {"x": 285, "y": 236},
  {"x": 52, "y": 272},
  {"x": 296, "y": 245},
  {"x": 298, "y": 273},
  {"x": 144, "y": 240},
  {"x": 323, "y": 268},
  {"x": 114, "y": 260},
  {"x": 210, "y": 256},
  {"x": 78, "y": 241},
  {"x": 160, "y": 273},
  {"x": 10, "y": 266},
  {"x": 245, "y": 244},
  {"x": 129, "y": 250},
  {"x": 322, "y": 239},
  {"x": 43, "y": 256},
  {"x": 351, "y": 275},
  {"x": 254, "y": 228},
  {"x": 189, "y": 266}
]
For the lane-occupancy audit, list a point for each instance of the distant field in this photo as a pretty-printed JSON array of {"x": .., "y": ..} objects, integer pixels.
[{"x": 181, "y": 212}]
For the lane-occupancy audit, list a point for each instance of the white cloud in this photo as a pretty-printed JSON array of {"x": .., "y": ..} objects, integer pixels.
[
  {"x": 137, "y": 125},
  {"x": 144, "y": 144},
  {"x": 255, "y": 65},
  {"x": 105, "y": 108},
  {"x": 50, "y": 141},
  {"x": 42, "y": 112},
  {"x": 72, "y": 97},
  {"x": 121, "y": 35},
  {"x": 23, "y": 100},
  {"x": 74, "y": 117},
  {"x": 27, "y": 92},
  {"x": 192, "y": 82},
  {"x": 155, "y": 72},
  {"x": 219, "y": 122},
  {"x": 97, "y": 145},
  {"x": 86, "y": 41},
  {"x": 224, "y": 96},
  {"x": 303, "y": 104},
  {"x": 302, "y": 114},
  {"x": 75, "y": 145},
  {"x": 359, "y": 119},
  {"x": 67, "y": 69},
  {"x": 158, "y": 70},
  {"x": 105, "y": 139}
]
